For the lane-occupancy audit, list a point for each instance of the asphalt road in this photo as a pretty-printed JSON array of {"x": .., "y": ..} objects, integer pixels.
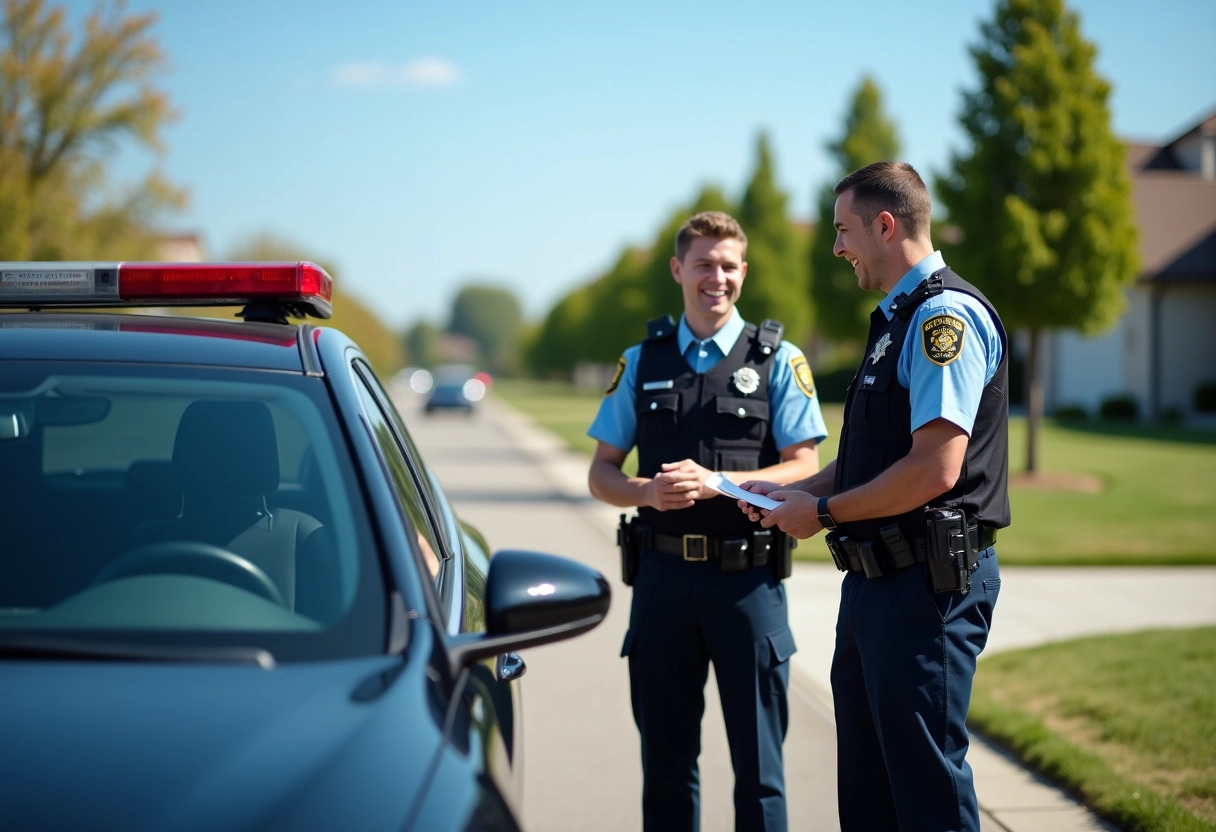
[{"x": 581, "y": 763}]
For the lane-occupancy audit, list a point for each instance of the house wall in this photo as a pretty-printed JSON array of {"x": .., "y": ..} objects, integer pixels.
[
  {"x": 1083, "y": 371},
  {"x": 1188, "y": 342}
]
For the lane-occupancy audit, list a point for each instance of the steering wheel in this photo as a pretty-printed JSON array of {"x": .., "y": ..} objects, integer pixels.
[{"x": 188, "y": 557}]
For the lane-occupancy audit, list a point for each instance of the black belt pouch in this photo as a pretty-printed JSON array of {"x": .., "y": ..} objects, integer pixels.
[{"x": 735, "y": 553}]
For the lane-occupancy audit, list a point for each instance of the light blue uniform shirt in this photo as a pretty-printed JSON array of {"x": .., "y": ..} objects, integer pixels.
[
  {"x": 952, "y": 391},
  {"x": 795, "y": 416}
]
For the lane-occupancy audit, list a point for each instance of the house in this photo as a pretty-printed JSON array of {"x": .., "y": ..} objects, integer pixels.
[{"x": 1164, "y": 346}]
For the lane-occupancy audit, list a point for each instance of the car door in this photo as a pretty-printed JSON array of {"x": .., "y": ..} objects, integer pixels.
[{"x": 454, "y": 556}]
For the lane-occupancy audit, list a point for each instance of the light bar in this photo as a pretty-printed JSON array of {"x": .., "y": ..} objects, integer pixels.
[{"x": 300, "y": 288}]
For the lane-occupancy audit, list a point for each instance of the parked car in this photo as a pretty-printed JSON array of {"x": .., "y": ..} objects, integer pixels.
[
  {"x": 456, "y": 387},
  {"x": 232, "y": 594}
]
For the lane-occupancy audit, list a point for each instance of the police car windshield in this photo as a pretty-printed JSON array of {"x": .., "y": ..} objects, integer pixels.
[{"x": 191, "y": 506}]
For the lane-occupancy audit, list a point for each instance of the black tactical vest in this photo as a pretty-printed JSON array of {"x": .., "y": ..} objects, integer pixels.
[
  {"x": 878, "y": 418},
  {"x": 719, "y": 418}
]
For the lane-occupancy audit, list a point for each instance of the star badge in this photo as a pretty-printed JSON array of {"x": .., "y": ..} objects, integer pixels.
[{"x": 880, "y": 349}]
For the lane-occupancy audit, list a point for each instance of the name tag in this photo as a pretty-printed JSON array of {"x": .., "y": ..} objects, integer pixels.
[{"x": 658, "y": 385}]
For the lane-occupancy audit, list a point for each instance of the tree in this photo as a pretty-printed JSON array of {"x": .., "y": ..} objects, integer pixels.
[
  {"x": 776, "y": 284},
  {"x": 842, "y": 312},
  {"x": 492, "y": 317},
  {"x": 1042, "y": 197},
  {"x": 66, "y": 104},
  {"x": 421, "y": 342},
  {"x": 381, "y": 346}
]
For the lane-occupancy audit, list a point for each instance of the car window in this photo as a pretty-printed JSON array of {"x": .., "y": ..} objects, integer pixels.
[
  {"x": 189, "y": 504},
  {"x": 410, "y": 498}
]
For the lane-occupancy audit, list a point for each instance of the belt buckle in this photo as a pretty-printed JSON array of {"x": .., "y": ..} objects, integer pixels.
[{"x": 700, "y": 543}]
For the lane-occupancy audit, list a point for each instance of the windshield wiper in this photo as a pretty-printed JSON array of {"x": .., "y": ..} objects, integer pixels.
[{"x": 58, "y": 647}]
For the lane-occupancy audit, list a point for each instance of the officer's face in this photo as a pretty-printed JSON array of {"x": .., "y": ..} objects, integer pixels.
[
  {"x": 711, "y": 276},
  {"x": 858, "y": 243}
]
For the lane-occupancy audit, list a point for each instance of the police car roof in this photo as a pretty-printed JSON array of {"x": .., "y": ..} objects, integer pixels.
[{"x": 161, "y": 339}]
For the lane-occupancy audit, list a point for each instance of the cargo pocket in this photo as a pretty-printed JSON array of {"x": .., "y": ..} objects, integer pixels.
[
  {"x": 781, "y": 646},
  {"x": 627, "y": 646}
]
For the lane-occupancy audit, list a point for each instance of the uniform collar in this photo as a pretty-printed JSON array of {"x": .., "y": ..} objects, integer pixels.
[
  {"x": 724, "y": 338},
  {"x": 934, "y": 262}
]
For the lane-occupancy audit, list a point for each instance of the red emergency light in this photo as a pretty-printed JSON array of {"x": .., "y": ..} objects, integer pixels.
[{"x": 268, "y": 291}]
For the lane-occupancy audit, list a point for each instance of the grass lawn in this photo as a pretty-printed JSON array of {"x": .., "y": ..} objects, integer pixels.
[
  {"x": 1110, "y": 494},
  {"x": 1126, "y": 722}
]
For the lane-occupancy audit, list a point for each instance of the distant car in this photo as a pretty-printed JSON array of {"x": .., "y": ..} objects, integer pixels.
[
  {"x": 232, "y": 594},
  {"x": 455, "y": 389}
]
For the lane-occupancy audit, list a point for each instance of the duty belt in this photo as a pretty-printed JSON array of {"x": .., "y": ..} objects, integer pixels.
[
  {"x": 851, "y": 554},
  {"x": 704, "y": 547}
]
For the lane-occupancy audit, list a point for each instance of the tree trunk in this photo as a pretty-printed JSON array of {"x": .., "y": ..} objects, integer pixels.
[{"x": 1034, "y": 403}]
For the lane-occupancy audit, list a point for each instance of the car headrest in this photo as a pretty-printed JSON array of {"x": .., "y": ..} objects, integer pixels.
[{"x": 227, "y": 445}]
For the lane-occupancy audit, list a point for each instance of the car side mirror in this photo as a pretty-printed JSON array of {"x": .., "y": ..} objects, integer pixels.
[{"x": 533, "y": 599}]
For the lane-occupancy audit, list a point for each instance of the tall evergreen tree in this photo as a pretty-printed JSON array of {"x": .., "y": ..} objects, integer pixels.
[
  {"x": 776, "y": 283},
  {"x": 1042, "y": 196},
  {"x": 842, "y": 311}
]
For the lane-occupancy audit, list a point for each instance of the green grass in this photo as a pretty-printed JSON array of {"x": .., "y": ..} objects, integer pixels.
[
  {"x": 1125, "y": 722},
  {"x": 1155, "y": 503}
]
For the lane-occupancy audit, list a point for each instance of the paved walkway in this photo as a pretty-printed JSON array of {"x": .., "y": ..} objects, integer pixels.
[{"x": 1036, "y": 605}]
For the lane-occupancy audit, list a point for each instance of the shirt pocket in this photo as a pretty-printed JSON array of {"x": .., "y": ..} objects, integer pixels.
[
  {"x": 871, "y": 401},
  {"x": 658, "y": 414},
  {"x": 740, "y": 421}
]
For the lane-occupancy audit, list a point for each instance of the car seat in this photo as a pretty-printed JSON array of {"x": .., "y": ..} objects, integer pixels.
[{"x": 226, "y": 463}]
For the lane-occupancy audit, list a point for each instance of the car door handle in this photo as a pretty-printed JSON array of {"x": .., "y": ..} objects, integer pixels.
[{"x": 511, "y": 666}]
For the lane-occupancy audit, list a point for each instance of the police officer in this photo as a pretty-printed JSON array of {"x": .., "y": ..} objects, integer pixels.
[
  {"x": 713, "y": 394},
  {"x": 911, "y": 504}
]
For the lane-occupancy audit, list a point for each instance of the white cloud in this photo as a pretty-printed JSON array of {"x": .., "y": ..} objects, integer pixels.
[{"x": 422, "y": 72}]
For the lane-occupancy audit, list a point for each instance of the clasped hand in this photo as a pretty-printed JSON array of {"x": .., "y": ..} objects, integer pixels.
[
  {"x": 796, "y": 516},
  {"x": 679, "y": 485}
]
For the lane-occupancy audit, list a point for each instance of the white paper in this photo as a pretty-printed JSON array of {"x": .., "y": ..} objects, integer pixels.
[{"x": 722, "y": 485}]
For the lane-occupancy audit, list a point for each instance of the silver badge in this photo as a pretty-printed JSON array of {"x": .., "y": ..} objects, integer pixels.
[
  {"x": 880, "y": 349},
  {"x": 747, "y": 380}
]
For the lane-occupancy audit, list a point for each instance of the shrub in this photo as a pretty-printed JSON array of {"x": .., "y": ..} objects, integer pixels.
[
  {"x": 1205, "y": 397},
  {"x": 1071, "y": 413},
  {"x": 1120, "y": 408}
]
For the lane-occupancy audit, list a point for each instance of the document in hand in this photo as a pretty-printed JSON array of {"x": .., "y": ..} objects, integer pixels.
[{"x": 722, "y": 485}]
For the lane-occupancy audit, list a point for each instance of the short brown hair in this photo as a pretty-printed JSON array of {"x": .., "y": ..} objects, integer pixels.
[
  {"x": 890, "y": 186},
  {"x": 715, "y": 224}
]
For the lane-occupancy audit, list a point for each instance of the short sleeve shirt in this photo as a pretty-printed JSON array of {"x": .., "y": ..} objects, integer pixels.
[
  {"x": 948, "y": 390},
  {"x": 795, "y": 415}
]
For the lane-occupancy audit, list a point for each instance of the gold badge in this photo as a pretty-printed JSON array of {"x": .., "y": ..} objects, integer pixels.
[
  {"x": 802, "y": 375},
  {"x": 616, "y": 379},
  {"x": 942, "y": 338}
]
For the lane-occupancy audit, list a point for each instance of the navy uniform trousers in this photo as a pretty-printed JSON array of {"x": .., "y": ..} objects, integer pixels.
[
  {"x": 685, "y": 615},
  {"x": 901, "y": 683}
]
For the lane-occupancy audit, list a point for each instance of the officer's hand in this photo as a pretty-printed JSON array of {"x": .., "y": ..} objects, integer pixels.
[
  {"x": 756, "y": 487},
  {"x": 796, "y": 516},
  {"x": 685, "y": 478}
]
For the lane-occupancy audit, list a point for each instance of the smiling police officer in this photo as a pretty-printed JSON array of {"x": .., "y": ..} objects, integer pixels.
[
  {"x": 714, "y": 393},
  {"x": 912, "y": 503}
]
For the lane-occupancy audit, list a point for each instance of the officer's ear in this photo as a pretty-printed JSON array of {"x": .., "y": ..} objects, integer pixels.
[
  {"x": 675, "y": 269},
  {"x": 886, "y": 222}
]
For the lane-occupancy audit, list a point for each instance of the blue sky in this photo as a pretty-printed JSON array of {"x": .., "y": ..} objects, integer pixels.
[{"x": 423, "y": 146}]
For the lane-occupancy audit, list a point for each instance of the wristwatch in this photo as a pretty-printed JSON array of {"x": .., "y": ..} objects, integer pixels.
[{"x": 825, "y": 519}]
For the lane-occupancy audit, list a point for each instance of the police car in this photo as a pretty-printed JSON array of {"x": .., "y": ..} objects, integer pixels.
[{"x": 232, "y": 595}]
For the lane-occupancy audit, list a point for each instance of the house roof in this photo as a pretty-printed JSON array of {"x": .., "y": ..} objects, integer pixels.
[{"x": 1175, "y": 207}]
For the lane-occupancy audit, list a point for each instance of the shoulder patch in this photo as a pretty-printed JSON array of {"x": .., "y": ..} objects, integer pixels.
[
  {"x": 616, "y": 378},
  {"x": 942, "y": 338},
  {"x": 802, "y": 375}
]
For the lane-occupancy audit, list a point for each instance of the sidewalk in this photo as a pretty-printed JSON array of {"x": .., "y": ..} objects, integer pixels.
[{"x": 1036, "y": 605}]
